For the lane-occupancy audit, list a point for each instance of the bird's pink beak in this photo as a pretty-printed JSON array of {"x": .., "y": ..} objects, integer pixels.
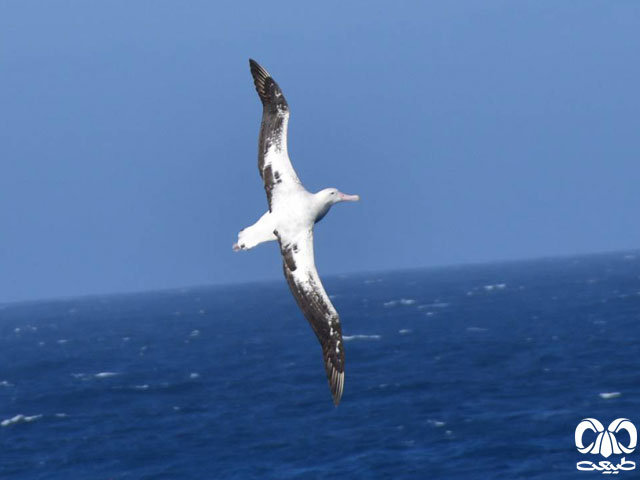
[{"x": 348, "y": 198}]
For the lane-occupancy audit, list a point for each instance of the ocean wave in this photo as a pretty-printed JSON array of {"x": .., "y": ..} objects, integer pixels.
[
  {"x": 495, "y": 286},
  {"x": 106, "y": 374},
  {"x": 402, "y": 301},
  {"x": 348, "y": 338},
  {"x": 404, "y": 331},
  {"x": 4, "y": 383},
  {"x": 477, "y": 329},
  {"x": 19, "y": 419},
  {"x": 25, "y": 328},
  {"x": 436, "y": 423},
  {"x": 433, "y": 305},
  {"x": 609, "y": 395}
]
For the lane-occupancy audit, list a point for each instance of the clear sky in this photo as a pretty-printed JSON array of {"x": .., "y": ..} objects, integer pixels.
[{"x": 473, "y": 130}]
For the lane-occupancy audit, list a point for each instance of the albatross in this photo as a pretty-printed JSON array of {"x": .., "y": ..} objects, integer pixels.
[{"x": 293, "y": 212}]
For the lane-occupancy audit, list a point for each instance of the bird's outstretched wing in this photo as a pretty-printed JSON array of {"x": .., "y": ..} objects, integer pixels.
[
  {"x": 304, "y": 282},
  {"x": 273, "y": 160}
]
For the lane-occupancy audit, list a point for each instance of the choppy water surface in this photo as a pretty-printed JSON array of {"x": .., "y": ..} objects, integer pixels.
[{"x": 467, "y": 372}]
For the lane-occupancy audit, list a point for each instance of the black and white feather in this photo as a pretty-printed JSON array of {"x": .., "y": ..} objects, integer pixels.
[
  {"x": 304, "y": 282},
  {"x": 273, "y": 159}
]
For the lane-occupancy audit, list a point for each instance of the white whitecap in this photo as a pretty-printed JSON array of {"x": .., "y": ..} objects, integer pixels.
[
  {"x": 4, "y": 383},
  {"x": 106, "y": 374},
  {"x": 194, "y": 375},
  {"x": 195, "y": 333},
  {"x": 19, "y": 419},
  {"x": 476, "y": 329},
  {"x": 433, "y": 305},
  {"x": 610, "y": 395},
  {"x": 402, "y": 301},
  {"x": 404, "y": 331},
  {"x": 436, "y": 423},
  {"x": 348, "y": 338}
]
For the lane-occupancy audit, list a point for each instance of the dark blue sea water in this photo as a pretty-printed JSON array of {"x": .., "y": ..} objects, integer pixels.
[{"x": 474, "y": 372}]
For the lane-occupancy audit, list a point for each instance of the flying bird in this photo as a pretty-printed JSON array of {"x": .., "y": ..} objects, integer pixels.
[{"x": 293, "y": 212}]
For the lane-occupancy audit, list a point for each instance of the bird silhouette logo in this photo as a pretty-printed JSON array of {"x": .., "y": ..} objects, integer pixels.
[{"x": 606, "y": 443}]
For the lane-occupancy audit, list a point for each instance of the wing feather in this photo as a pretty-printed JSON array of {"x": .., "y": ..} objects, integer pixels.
[
  {"x": 306, "y": 286},
  {"x": 274, "y": 164}
]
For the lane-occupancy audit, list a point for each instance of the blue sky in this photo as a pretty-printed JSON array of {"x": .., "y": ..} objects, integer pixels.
[{"x": 473, "y": 130}]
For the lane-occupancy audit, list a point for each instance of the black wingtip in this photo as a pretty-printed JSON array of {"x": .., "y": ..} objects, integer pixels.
[
  {"x": 336, "y": 381},
  {"x": 256, "y": 69},
  {"x": 268, "y": 90},
  {"x": 260, "y": 76},
  {"x": 337, "y": 386}
]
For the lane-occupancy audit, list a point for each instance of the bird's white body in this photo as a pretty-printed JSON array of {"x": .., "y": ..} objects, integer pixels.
[{"x": 298, "y": 211}]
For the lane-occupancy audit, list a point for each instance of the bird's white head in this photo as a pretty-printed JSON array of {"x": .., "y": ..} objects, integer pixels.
[
  {"x": 328, "y": 197},
  {"x": 331, "y": 196}
]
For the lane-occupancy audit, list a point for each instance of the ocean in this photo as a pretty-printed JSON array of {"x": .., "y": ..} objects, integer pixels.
[{"x": 469, "y": 372}]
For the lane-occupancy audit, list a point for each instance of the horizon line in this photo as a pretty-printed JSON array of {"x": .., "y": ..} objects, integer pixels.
[{"x": 84, "y": 296}]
